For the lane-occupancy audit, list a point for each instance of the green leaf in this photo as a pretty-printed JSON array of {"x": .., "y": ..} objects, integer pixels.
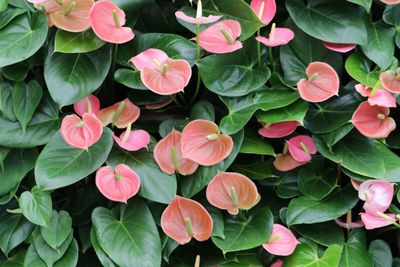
[
  {"x": 355, "y": 252},
  {"x": 14, "y": 229},
  {"x": 16, "y": 260},
  {"x": 307, "y": 255},
  {"x": 16, "y": 72},
  {"x": 240, "y": 109},
  {"x": 32, "y": 258},
  {"x": 58, "y": 229},
  {"x": 253, "y": 143},
  {"x": 45, "y": 122},
  {"x": 79, "y": 42},
  {"x": 306, "y": 210},
  {"x": 293, "y": 112},
  {"x": 22, "y": 37},
  {"x": 249, "y": 233},
  {"x": 9, "y": 14},
  {"x": 130, "y": 78},
  {"x": 287, "y": 186},
  {"x": 257, "y": 170},
  {"x": 132, "y": 236},
  {"x": 60, "y": 164},
  {"x": 380, "y": 46},
  {"x": 72, "y": 77},
  {"x": 391, "y": 15},
  {"x": 203, "y": 110},
  {"x": 381, "y": 253},
  {"x": 3, "y": 154},
  {"x": 326, "y": 234},
  {"x": 12, "y": 174},
  {"x": 234, "y": 74},
  {"x": 70, "y": 258},
  {"x": 359, "y": 68},
  {"x": 335, "y": 136},
  {"x": 101, "y": 255},
  {"x": 26, "y": 98},
  {"x": 3, "y": 5},
  {"x": 6, "y": 101},
  {"x": 36, "y": 206},
  {"x": 336, "y": 22},
  {"x": 301, "y": 51},
  {"x": 194, "y": 183},
  {"x": 364, "y": 3},
  {"x": 154, "y": 184}
]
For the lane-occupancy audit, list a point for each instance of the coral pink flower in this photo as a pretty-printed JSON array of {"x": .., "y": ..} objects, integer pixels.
[
  {"x": 161, "y": 74},
  {"x": 349, "y": 225},
  {"x": 185, "y": 218},
  {"x": 72, "y": 16},
  {"x": 221, "y": 37},
  {"x": 285, "y": 162},
  {"x": 301, "y": 147},
  {"x": 391, "y": 81},
  {"x": 264, "y": 9},
  {"x": 373, "y": 121},
  {"x": 47, "y": 5},
  {"x": 121, "y": 114},
  {"x": 377, "y": 194},
  {"x": 203, "y": 143},
  {"x": 168, "y": 155},
  {"x": 89, "y": 104},
  {"x": 341, "y": 48},
  {"x": 356, "y": 184},
  {"x": 119, "y": 185},
  {"x": 81, "y": 133},
  {"x": 379, "y": 220},
  {"x": 277, "y": 37},
  {"x": 232, "y": 191},
  {"x": 133, "y": 140},
  {"x": 282, "y": 241},
  {"x": 278, "y": 263},
  {"x": 381, "y": 97},
  {"x": 278, "y": 129},
  {"x": 390, "y": 2},
  {"x": 107, "y": 21},
  {"x": 322, "y": 83},
  {"x": 199, "y": 19}
]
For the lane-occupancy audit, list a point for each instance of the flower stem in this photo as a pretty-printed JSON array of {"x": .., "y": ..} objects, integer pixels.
[{"x": 198, "y": 55}]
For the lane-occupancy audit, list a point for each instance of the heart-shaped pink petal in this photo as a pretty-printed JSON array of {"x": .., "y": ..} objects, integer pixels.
[
  {"x": 137, "y": 139},
  {"x": 89, "y": 104},
  {"x": 301, "y": 148},
  {"x": 282, "y": 241}
]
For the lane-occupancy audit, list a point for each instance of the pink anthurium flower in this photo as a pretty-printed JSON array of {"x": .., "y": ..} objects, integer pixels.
[
  {"x": 81, "y": 133},
  {"x": 119, "y": 185},
  {"x": 121, "y": 114},
  {"x": 349, "y": 225},
  {"x": 391, "y": 81},
  {"x": 282, "y": 241},
  {"x": 161, "y": 74},
  {"x": 322, "y": 83},
  {"x": 88, "y": 104},
  {"x": 132, "y": 140},
  {"x": 72, "y": 16},
  {"x": 232, "y": 191},
  {"x": 285, "y": 162},
  {"x": 301, "y": 147},
  {"x": 278, "y": 129},
  {"x": 277, "y": 37},
  {"x": 46, "y": 5},
  {"x": 341, "y": 48},
  {"x": 221, "y": 37},
  {"x": 377, "y": 194},
  {"x": 107, "y": 21},
  {"x": 373, "y": 121},
  {"x": 377, "y": 220},
  {"x": 203, "y": 143},
  {"x": 390, "y": 2},
  {"x": 264, "y": 9},
  {"x": 356, "y": 184},
  {"x": 278, "y": 263},
  {"x": 381, "y": 97},
  {"x": 185, "y": 218},
  {"x": 168, "y": 155},
  {"x": 199, "y": 19}
]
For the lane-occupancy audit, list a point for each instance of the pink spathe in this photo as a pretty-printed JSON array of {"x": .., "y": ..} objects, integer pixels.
[
  {"x": 341, "y": 48},
  {"x": 377, "y": 194},
  {"x": 301, "y": 147},
  {"x": 150, "y": 58},
  {"x": 264, "y": 9},
  {"x": 88, "y": 104},
  {"x": 391, "y": 81},
  {"x": 282, "y": 241},
  {"x": 200, "y": 20},
  {"x": 373, "y": 220},
  {"x": 277, "y": 37},
  {"x": 72, "y": 16},
  {"x": 390, "y": 2},
  {"x": 121, "y": 114},
  {"x": 278, "y": 129},
  {"x": 278, "y": 263},
  {"x": 136, "y": 140},
  {"x": 381, "y": 97},
  {"x": 285, "y": 162}
]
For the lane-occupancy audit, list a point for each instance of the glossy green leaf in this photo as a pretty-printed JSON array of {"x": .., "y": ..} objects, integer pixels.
[
  {"x": 360, "y": 69},
  {"x": 80, "y": 42},
  {"x": 132, "y": 7},
  {"x": 6, "y": 101},
  {"x": 133, "y": 235},
  {"x": 58, "y": 229},
  {"x": 381, "y": 253},
  {"x": 14, "y": 229},
  {"x": 293, "y": 112},
  {"x": 253, "y": 143},
  {"x": 60, "y": 165},
  {"x": 203, "y": 110},
  {"x": 3, "y": 5},
  {"x": 306, "y": 210},
  {"x": 101, "y": 255},
  {"x": 26, "y": 98},
  {"x": 249, "y": 233},
  {"x": 72, "y": 77},
  {"x": 22, "y": 37},
  {"x": 326, "y": 234},
  {"x": 36, "y": 206},
  {"x": 16, "y": 260},
  {"x": 308, "y": 255},
  {"x": 257, "y": 170},
  {"x": 16, "y": 72},
  {"x": 336, "y": 22},
  {"x": 335, "y": 136},
  {"x": 130, "y": 78},
  {"x": 154, "y": 184},
  {"x": 70, "y": 258},
  {"x": 32, "y": 258},
  {"x": 355, "y": 251},
  {"x": 287, "y": 186},
  {"x": 9, "y": 14},
  {"x": 3, "y": 154},
  {"x": 364, "y": 3}
]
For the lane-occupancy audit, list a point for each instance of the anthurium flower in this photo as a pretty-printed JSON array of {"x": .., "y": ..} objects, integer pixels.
[
  {"x": 285, "y": 162},
  {"x": 119, "y": 185},
  {"x": 381, "y": 97},
  {"x": 391, "y": 81},
  {"x": 322, "y": 83},
  {"x": 168, "y": 155},
  {"x": 185, "y": 218},
  {"x": 377, "y": 220},
  {"x": 88, "y": 104},
  {"x": 282, "y": 241},
  {"x": 199, "y": 19},
  {"x": 203, "y": 143},
  {"x": 341, "y": 48},
  {"x": 161, "y": 74},
  {"x": 107, "y": 21},
  {"x": 132, "y": 140},
  {"x": 301, "y": 147},
  {"x": 232, "y": 191},
  {"x": 349, "y": 225},
  {"x": 73, "y": 15},
  {"x": 277, "y": 37},
  {"x": 278, "y": 263},
  {"x": 264, "y": 9},
  {"x": 81, "y": 133},
  {"x": 278, "y": 129},
  {"x": 373, "y": 121},
  {"x": 390, "y": 2},
  {"x": 356, "y": 184},
  {"x": 221, "y": 37},
  {"x": 121, "y": 114},
  {"x": 377, "y": 194},
  {"x": 47, "y": 5}
]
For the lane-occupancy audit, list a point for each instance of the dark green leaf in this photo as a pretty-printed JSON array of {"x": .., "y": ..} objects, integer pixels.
[
  {"x": 6, "y": 101},
  {"x": 253, "y": 143},
  {"x": 80, "y": 42},
  {"x": 287, "y": 186},
  {"x": 335, "y": 136},
  {"x": 355, "y": 252},
  {"x": 293, "y": 112},
  {"x": 36, "y": 206},
  {"x": 381, "y": 253},
  {"x": 203, "y": 110},
  {"x": 257, "y": 170},
  {"x": 130, "y": 78},
  {"x": 9, "y": 14},
  {"x": 16, "y": 72},
  {"x": 364, "y": 3},
  {"x": 14, "y": 229},
  {"x": 326, "y": 234},
  {"x": 58, "y": 229},
  {"x": 101, "y": 255},
  {"x": 70, "y": 258}
]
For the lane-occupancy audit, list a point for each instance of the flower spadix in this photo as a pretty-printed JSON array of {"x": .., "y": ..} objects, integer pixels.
[
  {"x": 282, "y": 241},
  {"x": 264, "y": 9},
  {"x": 88, "y": 104},
  {"x": 199, "y": 19},
  {"x": 72, "y": 15},
  {"x": 277, "y": 37},
  {"x": 391, "y": 81},
  {"x": 121, "y": 114}
]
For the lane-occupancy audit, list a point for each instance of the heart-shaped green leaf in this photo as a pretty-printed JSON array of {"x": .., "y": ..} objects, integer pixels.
[
  {"x": 293, "y": 112},
  {"x": 381, "y": 253},
  {"x": 58, "y": 229},
  {"x": 14, "y": 229},
  {"x": 355, "y": 251},
  {"x": 9, "y": 14},
  {"x": 70, "y": 257},
  {"x": 364, "y": 3},
  {"x": 101, "y": 255},
  {"x": 253, "y": 143},
  {"x": 36, "y": 206},
  {"x": 307, "y": 255},
  {"x": 326, "y": 234},
  {"x": 359, "y": 68},
  {"x": 80, "y": 42}
]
